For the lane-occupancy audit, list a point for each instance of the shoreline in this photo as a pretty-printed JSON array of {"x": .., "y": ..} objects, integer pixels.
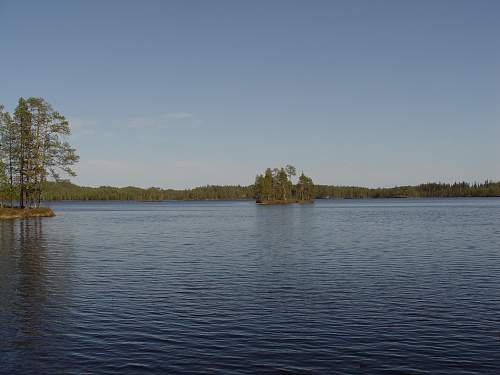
[
  {"x": 253, "y": 199},
  {"x": 25, "y": 213},
  {"x": 283, "y": 202}
]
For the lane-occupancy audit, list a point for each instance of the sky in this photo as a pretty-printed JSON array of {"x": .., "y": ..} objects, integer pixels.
[{"x": 186, "y": 93}]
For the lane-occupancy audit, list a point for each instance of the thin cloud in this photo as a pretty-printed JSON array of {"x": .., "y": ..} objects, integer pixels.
[
  {"x": 168, "y": 120},
  {"x": 180, "y": 115},
  {"x": 80, "y": 127}
]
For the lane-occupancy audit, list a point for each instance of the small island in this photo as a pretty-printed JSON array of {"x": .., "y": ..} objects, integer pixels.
[
  {"x": 276, "y": 186},
  {"x": 33, "y": 148},
  {"x": 20, "y": 213}
]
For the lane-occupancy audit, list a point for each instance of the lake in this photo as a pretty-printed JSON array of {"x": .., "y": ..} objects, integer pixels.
[{"x": 352, "y": 286}]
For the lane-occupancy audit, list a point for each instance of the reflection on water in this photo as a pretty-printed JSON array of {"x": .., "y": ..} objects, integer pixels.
[
  {"x": 32, "y": 279},
  {"x": 23, "y": 264},
  {"x": 390, "y": 286}
]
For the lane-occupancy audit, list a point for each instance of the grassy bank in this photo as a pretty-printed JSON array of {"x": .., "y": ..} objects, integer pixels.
[{"x": 18, "y": 213}]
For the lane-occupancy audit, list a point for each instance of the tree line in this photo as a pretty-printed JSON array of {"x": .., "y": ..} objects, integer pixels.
[
  {"x": 277, "y": 185},
  {"x": 428, "y": 190},
  {"x": 33, "y": 147},
  {"x": 65, "y": 190}
]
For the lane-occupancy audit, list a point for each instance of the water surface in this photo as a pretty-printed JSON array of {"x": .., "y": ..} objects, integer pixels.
[{"x": 368, "y": 287}]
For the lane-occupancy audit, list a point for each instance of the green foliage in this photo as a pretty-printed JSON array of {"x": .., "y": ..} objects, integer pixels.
[
  {"x": 33, "y": 148},
  {"x": 291, "y": 171},
  {"x": 4, "y": 184},
  {"x": 429, "y": 190},
  {"x": 305, "y": 188},
  {"x": 277, "y": 185},
  {"x": 3, "y": 175},
  {"x": 64, "y": 190},
  {"x": 7, "y": 190}
]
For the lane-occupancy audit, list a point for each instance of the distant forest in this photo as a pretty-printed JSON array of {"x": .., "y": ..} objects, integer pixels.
[{"x": 67, "y": 191}]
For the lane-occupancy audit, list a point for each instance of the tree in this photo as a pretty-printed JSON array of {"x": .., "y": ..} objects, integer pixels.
[
  {"x": 284, "y": 184},
  {"x": 290, "y": 171},
  {"x": 7, "y": 143},
  {"x": 306, "y": 187},
  {"x": 33, "y": 147},
  {"x": 259, "y": 187},
  {"x": 50, "y": 155},
  {"x": 22, "y": 140},
  {"x": 4, "y": 184},
  {"x": 267, "y": 189},
  {"x": 301, "y": 186}
]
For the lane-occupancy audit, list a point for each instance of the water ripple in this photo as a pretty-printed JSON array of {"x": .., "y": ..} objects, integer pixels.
[{"x": 353, "y": 287}]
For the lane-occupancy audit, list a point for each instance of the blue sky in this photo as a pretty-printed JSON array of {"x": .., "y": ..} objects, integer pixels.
[{"x": 184, "y": 93}]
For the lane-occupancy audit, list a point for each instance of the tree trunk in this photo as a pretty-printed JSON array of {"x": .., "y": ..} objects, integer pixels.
[
  {"x": 21, "y": 190},
  {"x": 11, "y": 173}
]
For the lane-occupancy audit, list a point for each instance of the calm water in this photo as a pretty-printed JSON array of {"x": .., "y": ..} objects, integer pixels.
[{"x": 357, "y": 287}]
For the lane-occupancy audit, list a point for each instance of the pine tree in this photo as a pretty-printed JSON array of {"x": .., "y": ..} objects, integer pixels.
[
  {"x": 33, "y": 147},
  {"x": 4, "y": 184},
  {"x": 268, "y": 184},
  {"x": 7, "y": 141},
  {"x": 259, "y": 187},
  {"x": 50, "y": 154}
]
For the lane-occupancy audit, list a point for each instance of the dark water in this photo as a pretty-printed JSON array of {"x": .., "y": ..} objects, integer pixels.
[{"x": 357, "y": 287}]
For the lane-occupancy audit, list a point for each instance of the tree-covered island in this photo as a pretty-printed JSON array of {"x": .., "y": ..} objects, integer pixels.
[
  {"x": 33, "y": 147},
  {"x": 276, "y": 186}
]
